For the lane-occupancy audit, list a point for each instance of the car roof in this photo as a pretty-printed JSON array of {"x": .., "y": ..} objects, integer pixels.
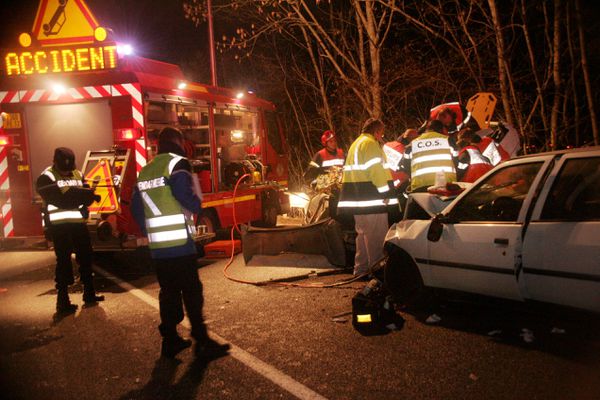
[{"x": 561, "y": 152}]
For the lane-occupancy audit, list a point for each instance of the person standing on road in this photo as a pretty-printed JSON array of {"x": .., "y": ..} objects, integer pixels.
[
  {"x": 65, "y": 200},
  {"x": 163, "y": 204},
  {"x": 366, "y": 193}
]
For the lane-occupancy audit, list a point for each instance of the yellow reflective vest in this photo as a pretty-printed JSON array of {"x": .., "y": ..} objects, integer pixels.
[
  {"x": 430, "y": 153},
  {"x": 166, "y": 223},
  {"x": 366, "y": 183}
]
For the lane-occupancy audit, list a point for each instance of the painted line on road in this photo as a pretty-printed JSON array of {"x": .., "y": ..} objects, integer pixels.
[{"x": 279, "y": 378}]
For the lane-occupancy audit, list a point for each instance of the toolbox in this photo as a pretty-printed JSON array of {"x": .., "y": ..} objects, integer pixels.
[{"x": 222, "y": 249}]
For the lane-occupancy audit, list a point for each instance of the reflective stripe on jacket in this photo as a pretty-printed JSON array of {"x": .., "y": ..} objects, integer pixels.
[
  {"x": 166, "y": 223},
  {"x": 56, "y": 215},
  {"x": 492, "y": 150},
  {"x": 476, "y": 166},
  {"x": 431, "y": 152},
  {"x": 329, "y": 160},
  {"x": 366, "y": 182}
]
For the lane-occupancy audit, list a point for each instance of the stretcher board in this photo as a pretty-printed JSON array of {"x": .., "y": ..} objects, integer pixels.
[{"x": 482, "y": 106}]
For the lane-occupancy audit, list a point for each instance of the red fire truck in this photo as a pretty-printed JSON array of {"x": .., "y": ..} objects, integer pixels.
[{"x": 109, "y": 107}]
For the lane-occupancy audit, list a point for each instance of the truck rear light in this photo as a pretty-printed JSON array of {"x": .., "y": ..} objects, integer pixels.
[
  {"x": 4, "y": 140},
  {"x": 127, "y": 134}
]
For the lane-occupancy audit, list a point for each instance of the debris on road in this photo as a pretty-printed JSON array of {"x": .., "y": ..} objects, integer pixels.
[
  {"x": 433, "y": 319},
  {"x": 559, "y": 331},
  {"x": 527, "y": 335}
]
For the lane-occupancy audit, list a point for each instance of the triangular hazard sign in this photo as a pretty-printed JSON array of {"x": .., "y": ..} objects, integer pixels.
[
  {"x": 64, "y": 22},
  {"x": 100, "y": 178}
]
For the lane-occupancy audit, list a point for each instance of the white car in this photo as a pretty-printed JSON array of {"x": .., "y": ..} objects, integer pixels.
[{"x": 527, "y": 230}]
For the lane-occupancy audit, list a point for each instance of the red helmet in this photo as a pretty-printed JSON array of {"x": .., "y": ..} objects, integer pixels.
[{"x": 327, "y": 136}]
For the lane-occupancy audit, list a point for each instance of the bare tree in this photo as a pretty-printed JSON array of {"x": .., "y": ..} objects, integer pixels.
[
  {"x": 586, "y": 76},
  {"x": 556, "y": 50},
  {"x": 502, "y": 75}
]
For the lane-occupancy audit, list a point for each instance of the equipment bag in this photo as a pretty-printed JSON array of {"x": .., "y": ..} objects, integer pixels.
[{"x": 373, "y": 311}]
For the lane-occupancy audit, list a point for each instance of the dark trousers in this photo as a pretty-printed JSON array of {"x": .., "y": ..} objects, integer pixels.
[
  {"x": 180, "y": 285},
  {"x": 68, "y": 239}
]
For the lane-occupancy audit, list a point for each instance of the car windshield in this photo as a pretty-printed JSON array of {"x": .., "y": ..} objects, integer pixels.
[{"x": 499, "y": 197}]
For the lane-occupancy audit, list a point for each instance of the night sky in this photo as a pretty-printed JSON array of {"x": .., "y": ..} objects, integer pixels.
[{"x": 155, "y": 28}]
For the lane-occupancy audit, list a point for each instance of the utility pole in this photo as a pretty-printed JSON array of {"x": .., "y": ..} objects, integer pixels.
[{"x": 211, "y": 42}]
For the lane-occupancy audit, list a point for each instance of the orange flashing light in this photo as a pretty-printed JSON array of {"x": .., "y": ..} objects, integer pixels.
[
  {"x": 127, "y": 134},
  {"x": 4, "y": 140}
]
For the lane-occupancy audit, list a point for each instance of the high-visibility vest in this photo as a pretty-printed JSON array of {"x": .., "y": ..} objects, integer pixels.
[
  {"x": 430, "y": 153},
  {"x": 478, "y": 164},
  {"x": 366, "y": 181},
  {"x": 166, "y": 223},
  {"x": 56, "y": 215}
]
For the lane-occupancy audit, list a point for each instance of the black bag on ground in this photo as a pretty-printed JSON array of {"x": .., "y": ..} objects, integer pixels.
[{"x": 373, "y": 311}]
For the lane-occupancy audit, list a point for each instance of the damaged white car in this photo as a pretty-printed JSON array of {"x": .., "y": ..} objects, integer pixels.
[{"x": 528, "y": 230}]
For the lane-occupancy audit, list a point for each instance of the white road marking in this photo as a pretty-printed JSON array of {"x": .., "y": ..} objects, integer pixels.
[{"x": 279, "y": 378}]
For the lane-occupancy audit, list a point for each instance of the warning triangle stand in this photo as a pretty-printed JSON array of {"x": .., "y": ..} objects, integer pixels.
[{"x": 100, "y": 179}]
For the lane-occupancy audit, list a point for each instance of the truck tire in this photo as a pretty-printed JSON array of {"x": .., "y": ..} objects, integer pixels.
[
  {"x": 209, "y": 218},
  {"x": 403, "y": 280}
]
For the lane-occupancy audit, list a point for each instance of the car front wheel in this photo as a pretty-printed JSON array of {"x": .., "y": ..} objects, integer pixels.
[{"x": 403, "y": 280}]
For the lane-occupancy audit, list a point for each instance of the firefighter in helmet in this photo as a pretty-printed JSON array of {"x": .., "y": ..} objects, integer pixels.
[
  {"x": 329, "y": 156},
  {"x": 65, "y": 200},
  {"x": 471, "y": 163}
]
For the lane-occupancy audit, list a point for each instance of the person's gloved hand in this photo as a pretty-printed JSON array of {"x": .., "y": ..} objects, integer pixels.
[{"x": 97, "y": 198}]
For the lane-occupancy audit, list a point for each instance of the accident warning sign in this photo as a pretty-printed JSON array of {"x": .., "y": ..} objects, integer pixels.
[
  {"x": 100, "y": 179},
  {"x": 63, "y": 22}
]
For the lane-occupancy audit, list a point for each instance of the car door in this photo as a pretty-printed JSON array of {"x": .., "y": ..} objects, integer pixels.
[
  {"x": 561, "y": 249},
  {"x": 480, "y": 244}
]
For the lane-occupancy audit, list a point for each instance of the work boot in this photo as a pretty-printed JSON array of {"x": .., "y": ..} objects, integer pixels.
[
  {"x": 63, "y": 304},
  {"x": 209, "y": 349},
  {"x": 172, "y": 346},
  {"x": 90, "y": 296}
]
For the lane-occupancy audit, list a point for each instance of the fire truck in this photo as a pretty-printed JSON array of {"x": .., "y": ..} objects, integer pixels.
[{"x": 68, "y": 87}]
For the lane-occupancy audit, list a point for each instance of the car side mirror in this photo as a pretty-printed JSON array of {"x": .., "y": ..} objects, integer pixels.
[{"x": 436, "y": 227}]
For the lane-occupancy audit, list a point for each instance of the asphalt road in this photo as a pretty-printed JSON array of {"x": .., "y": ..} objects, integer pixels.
[{"x": 286, "y": 344}]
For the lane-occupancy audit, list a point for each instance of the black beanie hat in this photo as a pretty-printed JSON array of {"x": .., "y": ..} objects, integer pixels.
[{"x": 64, "y": 159}]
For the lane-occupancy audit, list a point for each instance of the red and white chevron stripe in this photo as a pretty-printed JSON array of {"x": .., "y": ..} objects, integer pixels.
[
  {"x": 6, "y": 210},
  {"x": 90, "y": 92}
]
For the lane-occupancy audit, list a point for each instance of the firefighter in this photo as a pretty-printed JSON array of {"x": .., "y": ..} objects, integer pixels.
[
  {"x": 330, "y": 155},
  {"x": 394, "y": 153},
  {"x": 451, "y": 115},
  {"x": 427, "y": 155},
  {"x": 65, "y": 201},
  {"x": 162, "y": 205},
  {"x": 471, "y": 163},
  {"x": 366, "y": 193}
]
